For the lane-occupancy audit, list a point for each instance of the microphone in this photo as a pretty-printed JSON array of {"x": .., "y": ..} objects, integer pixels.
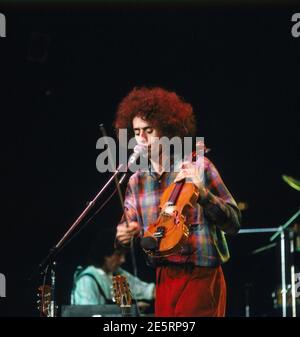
[{"x": 139, "y": 150}]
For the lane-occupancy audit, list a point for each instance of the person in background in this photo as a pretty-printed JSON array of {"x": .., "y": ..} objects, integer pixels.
[{"x": 92, "y": 285}]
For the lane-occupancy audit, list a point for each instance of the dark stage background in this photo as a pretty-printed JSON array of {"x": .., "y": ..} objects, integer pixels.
[{"x": 63, "y": 72}]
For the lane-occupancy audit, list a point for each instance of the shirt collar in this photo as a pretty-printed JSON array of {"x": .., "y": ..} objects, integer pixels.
[{"x": 175, "y": 162}]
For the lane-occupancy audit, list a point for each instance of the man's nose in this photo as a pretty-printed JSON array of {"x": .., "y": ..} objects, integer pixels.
[{"x": 143, "y": 135}]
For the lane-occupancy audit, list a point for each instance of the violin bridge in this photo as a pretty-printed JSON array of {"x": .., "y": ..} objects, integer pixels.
[{"x": 169, "y": 209}]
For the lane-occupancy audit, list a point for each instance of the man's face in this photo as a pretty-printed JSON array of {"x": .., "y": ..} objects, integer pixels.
[
  {"x": 144, "y": 132},
  {"x": 114, "y": 261}
]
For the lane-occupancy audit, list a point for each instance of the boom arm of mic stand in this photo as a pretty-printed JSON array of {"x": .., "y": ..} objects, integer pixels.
[
  {"x": 55, "y": 250},
  {"x": 86, "y": 210}
]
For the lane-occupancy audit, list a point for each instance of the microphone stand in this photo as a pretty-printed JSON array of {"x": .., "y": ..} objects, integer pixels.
[
  {"x": 281, "y": 232},
  {"x": 49, "y": 263}
]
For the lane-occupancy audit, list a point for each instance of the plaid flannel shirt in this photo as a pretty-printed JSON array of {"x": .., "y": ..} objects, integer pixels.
[{"x": 209, "y": 219}]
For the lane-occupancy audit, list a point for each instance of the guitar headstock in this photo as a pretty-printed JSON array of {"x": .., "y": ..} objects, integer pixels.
[
  {"x": 44, "y": 300},
  {"x": 121, "y": 291}
]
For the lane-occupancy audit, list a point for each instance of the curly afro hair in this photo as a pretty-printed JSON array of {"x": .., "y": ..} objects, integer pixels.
[{"x": 167, "y": 112}]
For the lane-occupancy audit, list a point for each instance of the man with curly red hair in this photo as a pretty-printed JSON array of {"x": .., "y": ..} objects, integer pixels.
[{"x": 189, "y": 282}]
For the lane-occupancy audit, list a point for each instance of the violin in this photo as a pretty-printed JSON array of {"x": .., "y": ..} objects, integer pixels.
[{"x": 170, "y": 232}]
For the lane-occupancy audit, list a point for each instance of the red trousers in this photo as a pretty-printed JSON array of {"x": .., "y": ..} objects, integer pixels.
[{"x": 190, "y": 292}]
